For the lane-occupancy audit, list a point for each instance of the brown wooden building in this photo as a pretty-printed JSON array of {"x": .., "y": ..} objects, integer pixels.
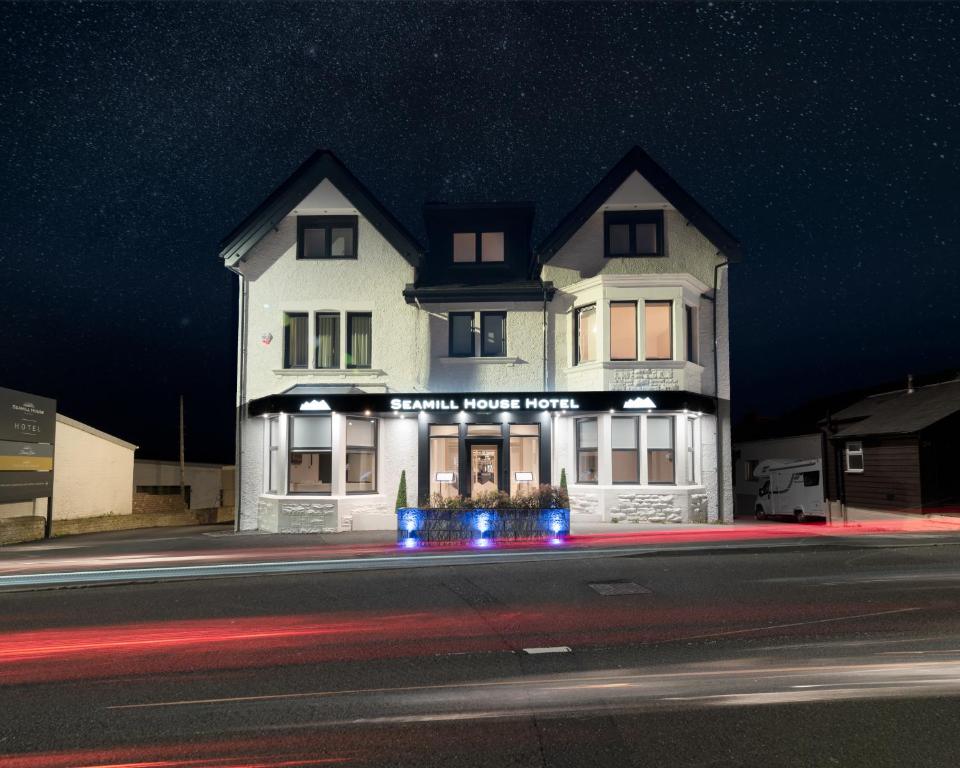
[{"x": 897, "y": 451}]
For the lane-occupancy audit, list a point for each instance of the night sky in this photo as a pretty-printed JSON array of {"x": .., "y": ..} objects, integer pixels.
[{"x": 133, "y": 137}]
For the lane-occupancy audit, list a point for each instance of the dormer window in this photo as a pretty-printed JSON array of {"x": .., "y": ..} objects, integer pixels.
[
  {"x": 474, "y": 247},
  {"x": 629, "y": 234},
  {"x": 326, "y": 237}
]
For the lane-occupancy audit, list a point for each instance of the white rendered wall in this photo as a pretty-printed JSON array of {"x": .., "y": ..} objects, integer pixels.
[
  {"x": 520, "y": 370},
  {"x": 93, "y": 472},
  {"x": 373, "y": 282}
]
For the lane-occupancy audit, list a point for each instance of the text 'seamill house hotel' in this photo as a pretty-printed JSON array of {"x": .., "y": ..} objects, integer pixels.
[{"x": 479, "y": 361}]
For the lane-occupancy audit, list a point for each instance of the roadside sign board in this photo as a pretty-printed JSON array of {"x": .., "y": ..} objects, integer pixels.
[
  {"x": 25, "y": 456},
  {"x": 27, "y": 418},
  {"x": 25, "y": 486}
]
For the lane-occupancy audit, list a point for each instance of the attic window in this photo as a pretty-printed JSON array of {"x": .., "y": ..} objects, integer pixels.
[
  {"x": 629, "y": 234},
  {"x": 473, "y": 247},
  {"x": 326, "y": 237}
]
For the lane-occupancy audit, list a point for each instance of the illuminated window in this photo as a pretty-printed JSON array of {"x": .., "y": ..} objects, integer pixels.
[
  {"x": 660, "y": 465},
  {"x": 625, "y": 445},
  {"x": 473, "y": 247},
  {"x": 854, "y": 456},
  {"x": 295, "y": 340},
  {"x": 464, "y": 247},
  {"x": 524, "y": 458},
  {"x": 587, "y": 342},
  {"x": 326, "y": 237},
  {"x": 444, "y": 460},
  {"x": 491, "y": 246},
  {"x": 310, "y": 466},
  {"x": 586, "y": 450},
  {"x": 623, "y": 330},
  {"x": 633, "y": 233},
  {"x": 658, "y": 330},
  {"x": 361, "y": 455}
]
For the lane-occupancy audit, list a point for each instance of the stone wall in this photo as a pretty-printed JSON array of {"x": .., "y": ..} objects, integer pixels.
[
  {"x": 14, "y": 530},
  {"x": 157, "y": 504},
  {"x": 291, "y": 516},
  {"x": 639, "y": 504}
]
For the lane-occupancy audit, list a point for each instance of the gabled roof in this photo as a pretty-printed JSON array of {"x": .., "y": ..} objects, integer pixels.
[
  {"x": 638, "y": 160},
  {"x": 900, "y": 412},
  {"x": 322, "y": 164}
]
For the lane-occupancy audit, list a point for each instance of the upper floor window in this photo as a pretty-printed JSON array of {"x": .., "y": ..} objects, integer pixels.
[
  {"x": 474, "y": 247},
  {"x": 493, "y": 334},
  {"x": 658, "y": 325},
  {"x": 854, "y": 456},
  {"x": 623, "y": 330},
  {"x": 693, "y": 332},
  {"x": 328, "y": 339},
  {"x": 295, "y": 340},
  {"x": 461, "y": 334},
  {"x": 586, "y": 334},
  {"x": 633, "y": 233},
  {"x": 359, "y": 339},
  {"x": 326, "y": 237}
]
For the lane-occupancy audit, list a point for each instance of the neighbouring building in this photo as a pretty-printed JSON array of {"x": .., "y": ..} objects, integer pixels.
[
  {"x": 208, "y": 490},
  {"x": 479, "y": 361},
  {"x": 92, "y": 487},
  {"x": 896, "y": 452}
]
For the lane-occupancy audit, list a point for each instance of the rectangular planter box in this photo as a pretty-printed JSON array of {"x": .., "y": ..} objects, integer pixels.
[{"x": 458, "y": 526}]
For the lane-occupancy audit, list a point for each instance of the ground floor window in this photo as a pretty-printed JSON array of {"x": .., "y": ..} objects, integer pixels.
[
  {"x": 311, "y": 465},
  {"x": 625, "y": 447},
  {"x": 660, "y": 453},
  {"x": 854, "y": 456},
  {"x": 275, "y": 458},
  {"x": 691, "y": 451},
  {"x": 361, "y": 455},
  {"x": 524, "y": 458},
  {"x": 444, "y": 460},
  {"x": 586, "y": 450}
]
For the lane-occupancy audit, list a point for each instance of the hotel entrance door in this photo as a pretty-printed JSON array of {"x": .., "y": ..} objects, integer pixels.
[{"x": 484, "y": 468}]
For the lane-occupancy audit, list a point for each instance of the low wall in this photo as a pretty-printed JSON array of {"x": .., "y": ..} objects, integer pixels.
[
  {"x": 14, "y": 530},
  {"x": 485, "y": 526},
  {"x": 145, "y": 520}
]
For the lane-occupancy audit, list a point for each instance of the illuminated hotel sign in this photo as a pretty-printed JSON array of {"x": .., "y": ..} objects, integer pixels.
[{"x": 485, "y": 404}]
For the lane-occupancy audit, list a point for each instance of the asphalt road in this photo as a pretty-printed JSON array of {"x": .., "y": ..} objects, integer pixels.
[{"x": 770, "y": 658}]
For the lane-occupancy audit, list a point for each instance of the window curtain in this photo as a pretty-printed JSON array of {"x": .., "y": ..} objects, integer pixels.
[
  {"x": 327, "y": 333},
  {"x": 296, "y": 339},
  {"x": 361, "y": 329}
]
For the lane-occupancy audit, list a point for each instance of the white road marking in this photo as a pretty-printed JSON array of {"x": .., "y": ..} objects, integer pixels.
[{"x": 551, "y": 649}]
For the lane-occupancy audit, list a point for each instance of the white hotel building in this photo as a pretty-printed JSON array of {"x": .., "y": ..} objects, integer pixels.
[{"x": 478, "y": 360}]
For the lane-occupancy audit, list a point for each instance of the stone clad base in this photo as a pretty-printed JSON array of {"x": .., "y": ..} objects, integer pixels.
[{"x": 639, "y": 504}]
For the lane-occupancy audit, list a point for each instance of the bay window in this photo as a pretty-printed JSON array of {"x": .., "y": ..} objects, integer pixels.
[
  {"x": 586, "y": 450},
  {"x": 623, "y": 330},
  {"x": 691, "y": 451},
  {"x": 361, "y": 455},
  {"x": 587, "y": 341},
  {"x": 660, "y": 451},
  {"x": 625, "y": 447},
  {"x": 310, "y": 461},
  {"x": 658, "y": 330},
  {"x": 274, "y": 458}
]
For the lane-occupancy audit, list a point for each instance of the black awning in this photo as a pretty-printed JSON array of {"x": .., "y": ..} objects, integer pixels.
[{"x": 482, "y": 402}]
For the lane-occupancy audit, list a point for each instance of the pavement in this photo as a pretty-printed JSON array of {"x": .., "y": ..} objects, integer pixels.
[
  {"x": 217, "y": 551},
  {"x": 796, "y": 657}
]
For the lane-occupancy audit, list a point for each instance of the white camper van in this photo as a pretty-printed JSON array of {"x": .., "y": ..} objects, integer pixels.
[{"x": 790, "y": 487}]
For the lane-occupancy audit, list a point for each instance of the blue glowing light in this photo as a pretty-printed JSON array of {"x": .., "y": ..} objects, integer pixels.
[
  {"x": 410, "y": 542},
  {"x": 482, "y": 542},
  {"x": 482, "y": 522}
]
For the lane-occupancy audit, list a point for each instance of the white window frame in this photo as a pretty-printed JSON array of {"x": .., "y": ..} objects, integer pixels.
[{"x": 848, "y": 451}]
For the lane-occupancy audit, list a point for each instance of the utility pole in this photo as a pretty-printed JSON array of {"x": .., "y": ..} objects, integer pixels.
[{"x": 183, "y": 492}]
